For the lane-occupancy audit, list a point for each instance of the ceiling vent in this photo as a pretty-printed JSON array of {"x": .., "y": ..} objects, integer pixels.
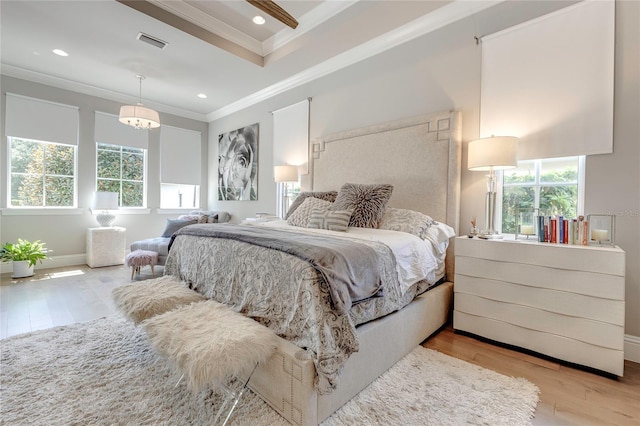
[{"x": 154, "y": 41}]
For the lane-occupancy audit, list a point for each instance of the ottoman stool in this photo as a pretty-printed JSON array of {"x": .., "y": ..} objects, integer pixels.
[
  {"x": 143, "y": 300},
  {"x": 210, "y": 345},
  {"x": 139, "y": 258}
]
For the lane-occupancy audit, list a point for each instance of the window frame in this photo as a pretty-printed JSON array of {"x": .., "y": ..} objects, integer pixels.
[
  {"x": 9, "y": 203},
  {"x": 580, "y": 182},
  {"x": 197, "y": 203},
  {"x": 145, "y": 153}
]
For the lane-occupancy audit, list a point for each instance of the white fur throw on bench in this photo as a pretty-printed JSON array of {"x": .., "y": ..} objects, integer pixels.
[
  {"x": 145, "y": 299},
  {"x": 210, "y": 343}
]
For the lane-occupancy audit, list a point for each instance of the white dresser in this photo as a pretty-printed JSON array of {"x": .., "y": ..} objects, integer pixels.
[
  {"x": 559, "y": 300},
  {"x": 105, "y": 246}
]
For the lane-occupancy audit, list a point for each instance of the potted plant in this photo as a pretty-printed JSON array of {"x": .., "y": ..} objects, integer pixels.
[{"x": 24, "y": 255}]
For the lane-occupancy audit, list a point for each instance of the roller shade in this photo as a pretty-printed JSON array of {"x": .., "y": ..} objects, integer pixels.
[
  {"x": 41, "y": 120},
  {"x": 549, "y": 81},
  {"x": 109, "y": 130},
  {"x": 180, "y": 155},
  {"x": 291, "y": 136}
]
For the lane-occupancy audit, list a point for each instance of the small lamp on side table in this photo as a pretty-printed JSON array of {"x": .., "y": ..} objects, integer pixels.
[
  {"x": 491, "y": 154},
  {"x": 284, "y": 175},
  {"x": 105, "y": 202}
]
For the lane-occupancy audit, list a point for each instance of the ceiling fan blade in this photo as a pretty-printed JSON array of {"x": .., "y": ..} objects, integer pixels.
[{"x": 271, "y": 8}]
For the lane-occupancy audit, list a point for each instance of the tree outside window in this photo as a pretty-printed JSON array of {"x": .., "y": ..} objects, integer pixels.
[
  {"x": 42, "y": 174},
  {"x": 121, "y": 169},
  {"x": 551, "y": 185}
]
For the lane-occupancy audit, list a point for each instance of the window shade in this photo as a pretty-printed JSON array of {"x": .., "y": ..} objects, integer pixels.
[
  {"x": 549, "y": 81},
  {"x": 291, "y": 136},
  {"x": 180, "y": 155},
  {"x": 109, "y": 130},
  {"x": 41, "y": 120}
]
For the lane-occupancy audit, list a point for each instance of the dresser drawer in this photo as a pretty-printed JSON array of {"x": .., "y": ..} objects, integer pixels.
[
  {"x": 560, "y": 302},
  {"x": 598, "y": 357}
]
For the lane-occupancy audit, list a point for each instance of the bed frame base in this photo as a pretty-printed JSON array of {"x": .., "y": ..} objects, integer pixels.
[{"x": 285, "y": 381}]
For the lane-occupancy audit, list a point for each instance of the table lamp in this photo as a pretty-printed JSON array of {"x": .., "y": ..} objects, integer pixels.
[
  {"x": 284, "y": 175},
  {"x": 491, "y": 154},
  {"x": 106, "y": 202}
]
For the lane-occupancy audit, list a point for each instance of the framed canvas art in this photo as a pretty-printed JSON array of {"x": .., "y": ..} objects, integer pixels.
[{"x": 238, "y": 164}]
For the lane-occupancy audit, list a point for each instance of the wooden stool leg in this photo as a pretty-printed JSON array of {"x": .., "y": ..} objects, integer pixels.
[
  {"x": 153, "y": 274},
  {"x": 133, "y": 270}
]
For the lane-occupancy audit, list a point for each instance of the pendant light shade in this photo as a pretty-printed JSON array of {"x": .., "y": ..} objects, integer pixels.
[{"x": 139, "y": 116}]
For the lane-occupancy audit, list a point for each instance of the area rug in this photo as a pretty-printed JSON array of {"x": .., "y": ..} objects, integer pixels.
[{"x": 103, "y": 372}]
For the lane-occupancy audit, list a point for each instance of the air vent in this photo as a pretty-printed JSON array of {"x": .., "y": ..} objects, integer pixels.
[{"x": 154, "y": 41}]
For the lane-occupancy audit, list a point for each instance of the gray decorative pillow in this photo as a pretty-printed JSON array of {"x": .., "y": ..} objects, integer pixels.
[
  {"x": 327, "y": 196},
  {"x": 301, "y": 216},
  {"x": 174, "y": 224},
  {"x": 409, "y": 221},
  {"x": 333, "y": 220},
  {"x": 208, "y": 218},
  {"x": 420, "y": 225},
  {"x": 368, "y": 203}
]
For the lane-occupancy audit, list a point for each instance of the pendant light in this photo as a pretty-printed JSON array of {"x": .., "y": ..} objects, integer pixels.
[{"x": 139, "y": 116}]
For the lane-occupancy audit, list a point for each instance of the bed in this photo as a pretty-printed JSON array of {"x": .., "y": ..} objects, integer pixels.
[{"x": 420, "y": 158}]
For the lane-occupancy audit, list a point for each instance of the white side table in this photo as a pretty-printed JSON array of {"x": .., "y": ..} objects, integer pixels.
[{"x": 105, "y": 246}]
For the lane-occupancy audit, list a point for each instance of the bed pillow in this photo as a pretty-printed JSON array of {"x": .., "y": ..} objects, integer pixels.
[
  {"x": 326, "y": 195},
  {"x": 301, "y": 216},
  {"x": 418, "y": 224},
  {"x": 174, "y": 224},
  {"x": 368, "y": 203},
  {"x": 403, "y": 220},
  {"x": 333, "y": 220}
]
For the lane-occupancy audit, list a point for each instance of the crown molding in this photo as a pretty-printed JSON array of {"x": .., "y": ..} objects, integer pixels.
[
  {"x": 306, "y": 23},
  {"x": 86, "y": 89},
  {"x": 425, "y": 24},
  {"x": 191, "y": 13}
]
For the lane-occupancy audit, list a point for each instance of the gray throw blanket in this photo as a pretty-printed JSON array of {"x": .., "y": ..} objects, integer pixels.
[{"x": 349, "y": 268}]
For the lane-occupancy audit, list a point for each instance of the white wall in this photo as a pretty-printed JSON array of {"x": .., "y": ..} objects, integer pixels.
[
  {"x": 441, "y": 71},
  {"x": 65, "y": 233}
]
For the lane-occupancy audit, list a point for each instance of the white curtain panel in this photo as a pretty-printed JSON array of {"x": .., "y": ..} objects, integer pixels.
[
  {"x": 291, "y": 136},
  {"x": 549, "y": 81},
  {"x": 41, "y": 120},
  {"x": 109, "y": 130},
  {"x": 180, "y": 155}
]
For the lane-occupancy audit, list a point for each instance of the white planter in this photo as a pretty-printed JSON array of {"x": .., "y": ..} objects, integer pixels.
[{"x": 21, "y": 269}]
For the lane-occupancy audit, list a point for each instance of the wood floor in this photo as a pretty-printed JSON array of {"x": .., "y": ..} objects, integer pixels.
[{"x": 568, "y": 396}]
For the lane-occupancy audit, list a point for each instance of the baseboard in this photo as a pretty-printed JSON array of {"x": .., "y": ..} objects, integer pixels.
[
  {"x": 52, "y": 262},
  {"x": 632, "y": 348}
]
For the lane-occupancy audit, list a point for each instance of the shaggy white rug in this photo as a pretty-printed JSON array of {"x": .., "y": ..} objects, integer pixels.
[{"x": 104, "y": 372}]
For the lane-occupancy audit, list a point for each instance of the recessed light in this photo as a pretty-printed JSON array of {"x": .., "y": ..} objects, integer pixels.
[
  {"x": 202, "y": 96},
  {"x": 60, "y": 52},
  {"x": 259, "y": 20}
]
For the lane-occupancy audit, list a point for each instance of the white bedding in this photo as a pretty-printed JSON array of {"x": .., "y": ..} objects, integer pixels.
[{"x": 416, "y": 259}]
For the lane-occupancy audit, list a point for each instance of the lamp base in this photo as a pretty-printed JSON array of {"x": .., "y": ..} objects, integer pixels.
[{"x": 105, "y": 218}]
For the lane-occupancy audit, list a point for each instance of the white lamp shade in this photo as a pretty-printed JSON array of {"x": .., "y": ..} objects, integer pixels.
[
  {"x": 105, "y": 201},
  {"x": 285, "y": 173},
  {"x": 495, "y": 152},
  {"x": 139, "y": 116}
]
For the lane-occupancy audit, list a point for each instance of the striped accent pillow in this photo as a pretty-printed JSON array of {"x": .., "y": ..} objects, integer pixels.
[{"x": 333, "y": 220}]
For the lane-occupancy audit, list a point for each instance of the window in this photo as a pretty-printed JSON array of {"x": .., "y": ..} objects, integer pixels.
[
  {"x": 121, "y": 169},
  {"x": 42, "y": 174},
  {"x": 177, "y": 196},
  {"x": 554, "y": 186}
]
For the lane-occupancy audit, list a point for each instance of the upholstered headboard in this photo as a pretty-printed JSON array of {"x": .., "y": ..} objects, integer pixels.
[{"x": 419, "y": 156}]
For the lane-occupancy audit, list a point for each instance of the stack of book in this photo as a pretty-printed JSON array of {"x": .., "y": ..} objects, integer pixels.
[{"x": 557, "y": 229}]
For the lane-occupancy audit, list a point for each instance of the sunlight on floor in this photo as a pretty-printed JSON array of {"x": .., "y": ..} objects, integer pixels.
[{"x": 64, "y": 274}]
